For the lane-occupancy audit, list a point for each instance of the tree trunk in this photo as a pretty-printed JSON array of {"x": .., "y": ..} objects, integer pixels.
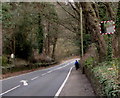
[
  {"x": 110, "y": 11},
  {"x": 1, "y": 45},
  {"x": 40, "y": 34},
  {"x": 93, "y": 25},
  {"x": 116, "y": 39},
  {"x": 54, "y": 46},
  {"x": 47, "y": 40}
]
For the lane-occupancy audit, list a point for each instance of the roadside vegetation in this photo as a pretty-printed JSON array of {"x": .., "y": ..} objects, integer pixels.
[
  {"x": 31, "y": 32},
  {"x": 106, "y": 74},
  {"x": 104, "y": 71}
]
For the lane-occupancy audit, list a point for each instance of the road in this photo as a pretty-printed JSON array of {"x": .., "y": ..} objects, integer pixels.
[{"x": 44, "y": 82}]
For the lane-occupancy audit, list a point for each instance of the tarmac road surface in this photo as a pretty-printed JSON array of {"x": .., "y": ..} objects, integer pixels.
[{"x": 44, "y": 82}]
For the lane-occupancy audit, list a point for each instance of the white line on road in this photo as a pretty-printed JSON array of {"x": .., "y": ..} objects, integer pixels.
[
  {"x": 63, "y": 66},
  {"x": 34, "y": 78},
  {"x": 10, "y": 90},
  {"x": 60, "y": 89},
  {"x": 44, "y": 74},
  {"x": 56, "y": 69},
  {"x": 50, "y": 71}
]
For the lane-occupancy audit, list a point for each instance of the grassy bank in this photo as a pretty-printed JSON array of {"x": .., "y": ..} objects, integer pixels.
[{"x": 103, "y": 76}]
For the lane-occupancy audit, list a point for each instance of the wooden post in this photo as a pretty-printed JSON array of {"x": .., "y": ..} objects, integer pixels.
[{"x": 81, "y": 30}]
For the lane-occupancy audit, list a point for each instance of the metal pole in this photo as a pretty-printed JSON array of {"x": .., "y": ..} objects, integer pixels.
[{"x": 81, "y": 30}]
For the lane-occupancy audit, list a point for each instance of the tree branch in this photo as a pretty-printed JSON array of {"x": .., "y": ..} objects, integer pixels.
[
  {"x": 67, "y": 11},
  {"x": 78, "y": 13},
  {"x": 58, "y": 22}
]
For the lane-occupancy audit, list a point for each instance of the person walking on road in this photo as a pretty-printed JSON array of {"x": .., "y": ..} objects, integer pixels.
[{"x": 76, "y": 65}]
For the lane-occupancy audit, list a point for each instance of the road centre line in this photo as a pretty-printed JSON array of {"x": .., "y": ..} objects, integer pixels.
[
  {"x": 50, "y": 71},
  {"x": 44, "y": 74},
  {"x": 61, "y": 87},
  {"x": 63, "y": 66},
  {"x": 34, "y": 78},
  {"x": 56, "y": 69},
  {"x": 36, "y": 70},
  {"x": 10, "y": 90}
]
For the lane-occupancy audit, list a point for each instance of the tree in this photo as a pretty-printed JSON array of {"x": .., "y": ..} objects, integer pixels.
[
  {"x": 23, "y": 47},
  {"x": 14, "y": 16},
  {"x": 51, "y": 29},
  {"x": 40, "y": 34},
  {"x": 91, "y": 17},
  {"x": 116, "y": 40}
]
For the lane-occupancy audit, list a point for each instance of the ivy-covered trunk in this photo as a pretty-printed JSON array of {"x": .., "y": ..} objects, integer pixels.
[
  {"x": 116, "y": 40},
  {"x": 93, "y": 26},
  {"x": 40, "y": 35},
  {"x": 54, "y": 46}
]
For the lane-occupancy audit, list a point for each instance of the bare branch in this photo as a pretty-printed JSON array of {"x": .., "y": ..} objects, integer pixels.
[
  {"x": 77, "y": 11},
  {"x": 67, "y": 11},
  {"x": 58, "y": 22}
]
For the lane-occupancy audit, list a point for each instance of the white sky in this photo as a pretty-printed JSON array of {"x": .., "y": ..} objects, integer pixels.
[
  {"x": 71, "y": 0},
  {"x": 58, "y": 0}
]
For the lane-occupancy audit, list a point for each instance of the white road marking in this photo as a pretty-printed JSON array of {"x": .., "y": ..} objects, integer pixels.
[
  {"x": 34, "y": 78},
  {"x": 10, "y": 90},
  {"x": 60, "y": 89},
  {"x": 64, "y": 66},
  {"x": 50, "y": 71},
  {"x": 24, "y": 82},
  {"x": 38, "y": 70},
  {"x": 56, "y": 69},
  {"x": 44, "y": 74}
]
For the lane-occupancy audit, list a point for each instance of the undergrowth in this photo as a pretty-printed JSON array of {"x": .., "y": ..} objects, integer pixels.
[{"x": 107, "y": 74}]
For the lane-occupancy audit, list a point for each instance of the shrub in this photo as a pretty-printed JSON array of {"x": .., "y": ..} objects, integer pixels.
[
  {"x": 4, "y": 60},
  {"x": 23, "y": 46},
  {"x": 89, "y": 62},
  {"x": 107, "y": 76}
]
